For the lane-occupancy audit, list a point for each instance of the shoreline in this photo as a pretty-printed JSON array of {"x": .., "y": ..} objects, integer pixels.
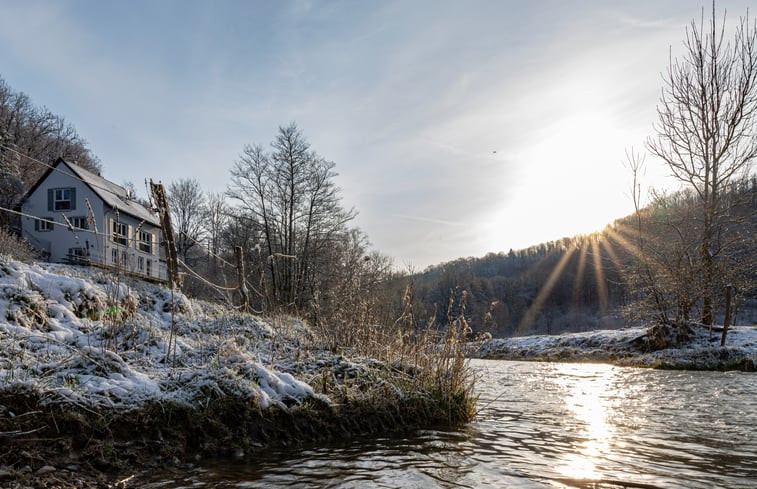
[
  {"x": 103, "y": 376},
  {"x": 90, "y": 397},
  {"x": 82, "y": 448},
  {"x": 627, "y": 348}
]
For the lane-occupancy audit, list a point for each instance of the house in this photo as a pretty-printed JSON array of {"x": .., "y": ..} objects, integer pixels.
[{"x": 80, "y": 217}]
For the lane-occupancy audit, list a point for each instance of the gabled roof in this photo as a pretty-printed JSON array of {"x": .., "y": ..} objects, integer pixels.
[{"x": 114, "y": 196}]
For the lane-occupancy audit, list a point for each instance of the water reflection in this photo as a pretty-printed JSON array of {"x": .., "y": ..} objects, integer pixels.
[
  {"x": 584, "y": 423},
  {"x": 540, "y": 426},
  {"x": 588, "y": 390}
]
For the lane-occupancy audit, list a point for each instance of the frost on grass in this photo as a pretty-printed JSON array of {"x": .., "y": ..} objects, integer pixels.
[
  {"x": 83, "y": 336},
  {"x": 626, "y": 347}
]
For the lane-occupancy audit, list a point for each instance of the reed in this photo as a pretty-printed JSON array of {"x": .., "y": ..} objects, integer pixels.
[
  {"x": 425, "y": 361},
  {"x": 15, "y": 247}
]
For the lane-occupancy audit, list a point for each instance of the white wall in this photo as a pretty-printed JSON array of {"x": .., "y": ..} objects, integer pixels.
[
  {"x": 130, "y": 257},
  {"x": 58, "y": 241}
]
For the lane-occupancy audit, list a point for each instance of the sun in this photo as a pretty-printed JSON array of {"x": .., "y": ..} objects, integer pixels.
[{"x": 565, "y": 184}]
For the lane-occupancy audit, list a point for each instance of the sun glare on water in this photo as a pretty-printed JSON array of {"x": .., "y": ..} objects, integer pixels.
[{"x": 589, "y": 412}]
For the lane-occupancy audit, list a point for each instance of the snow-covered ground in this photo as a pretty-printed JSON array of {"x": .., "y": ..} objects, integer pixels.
[
  {"x": 84, "y": 336},
  {"x": 625, "y": 347}
]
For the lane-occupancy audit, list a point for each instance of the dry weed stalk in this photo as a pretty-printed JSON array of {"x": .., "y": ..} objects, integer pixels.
[{"x": 427, "y": 360}]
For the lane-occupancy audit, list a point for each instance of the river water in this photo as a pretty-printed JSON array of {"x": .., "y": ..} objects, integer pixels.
[{"x": 540, "y": 425}]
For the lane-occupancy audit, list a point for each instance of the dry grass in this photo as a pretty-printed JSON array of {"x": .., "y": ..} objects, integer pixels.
[
  {"x": 15, "y": 247},
  {"x": 425, "y": 360}
]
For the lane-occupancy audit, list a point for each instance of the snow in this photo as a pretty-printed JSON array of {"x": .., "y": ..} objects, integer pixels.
[
  {"x": 624, "y": 347},
  {"x": 91, "y": 338},
  {"x": 84, "y": 336}
]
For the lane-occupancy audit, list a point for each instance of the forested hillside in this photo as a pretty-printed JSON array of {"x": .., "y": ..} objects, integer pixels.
[
  {"x": 587, "y": 282},
  {"x": 30, "y": 137},
  {"x": 281, "y": 234}
]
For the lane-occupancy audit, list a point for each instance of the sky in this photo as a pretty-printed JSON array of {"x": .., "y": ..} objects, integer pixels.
[{"x": 458, "y": 128}]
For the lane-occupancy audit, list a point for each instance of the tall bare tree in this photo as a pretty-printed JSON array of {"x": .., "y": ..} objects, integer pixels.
[
  {"x": 216, "y": 211},
  {"x": 187, "y": 202},
  {"x": 290, "y": 197},
  {"x": 706, "y": 129}
]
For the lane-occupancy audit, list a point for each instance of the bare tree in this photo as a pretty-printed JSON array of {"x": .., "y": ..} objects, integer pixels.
[
  {"x": 290, "y": 198},
  {"x": 30, "y": 138},
  {"x": 187, "y": 210},
  {"x": 37, "y": 133},
  {"x": 706, "y": 130},
  {"x": 216, "y": 216},
  {"x": 643, "y": 273}
]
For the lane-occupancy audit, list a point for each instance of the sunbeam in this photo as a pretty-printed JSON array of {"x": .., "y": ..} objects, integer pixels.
[
  {"x": 579, "y": 275},
  {"x": 622, "y": 241},
  {"x": 605, "y": 244},
  {"x": 530, "y": 316},
  {"x": 599, "y": 274}
]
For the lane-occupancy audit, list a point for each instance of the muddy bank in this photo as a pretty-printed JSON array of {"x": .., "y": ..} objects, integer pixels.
[{"x": 69, "y": 446}]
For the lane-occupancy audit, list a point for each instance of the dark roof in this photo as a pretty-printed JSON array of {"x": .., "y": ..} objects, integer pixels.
[{"x": 112, "y": 195}]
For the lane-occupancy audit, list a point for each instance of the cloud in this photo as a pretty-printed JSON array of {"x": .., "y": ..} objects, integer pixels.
[{"x": 409, "y": 99}]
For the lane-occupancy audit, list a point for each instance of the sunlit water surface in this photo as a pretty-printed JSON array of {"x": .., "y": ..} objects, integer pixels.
[{"x": 540, "y": 425}]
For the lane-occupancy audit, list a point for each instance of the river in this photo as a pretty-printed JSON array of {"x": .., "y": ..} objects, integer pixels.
[{"x": 540, "y": 425}]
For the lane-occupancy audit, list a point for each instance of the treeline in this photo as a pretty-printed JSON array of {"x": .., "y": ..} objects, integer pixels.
[
  {"x": 299, "y": 250},
  {"x": 279, "y": 239},
  {"x": 30, "y": 134},
  {"x": 588, "y": 282},
  {"x": 567, "y": 285}
]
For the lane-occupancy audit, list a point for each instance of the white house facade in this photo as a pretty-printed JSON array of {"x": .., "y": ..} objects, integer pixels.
[{"x": 75, "y": 216}]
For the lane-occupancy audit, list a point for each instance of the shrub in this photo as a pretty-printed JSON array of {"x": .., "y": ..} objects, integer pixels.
[{"x": 15, "y": 247}]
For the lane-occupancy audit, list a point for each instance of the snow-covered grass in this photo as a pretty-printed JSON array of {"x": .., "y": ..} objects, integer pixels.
[
  {"x": 627, "y": 347},
  {"x": 113, "y": 372},
  {"x": 84, "y": 337},
  {"x": 89, "y": 338}
]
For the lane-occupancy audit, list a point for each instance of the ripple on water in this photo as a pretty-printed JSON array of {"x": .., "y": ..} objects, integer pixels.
[{"x": 540, "y": 425}]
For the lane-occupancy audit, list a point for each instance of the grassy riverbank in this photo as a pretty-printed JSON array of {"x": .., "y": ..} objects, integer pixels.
[
  {"x": 630, "y": 347},
  {"x": 97, "y": 377}
]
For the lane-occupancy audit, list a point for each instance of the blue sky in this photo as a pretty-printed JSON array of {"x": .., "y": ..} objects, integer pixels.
[{"x": 458, "y": 128}]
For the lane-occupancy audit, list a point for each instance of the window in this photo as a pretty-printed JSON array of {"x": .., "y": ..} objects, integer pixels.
[
  {"x": 79, "y": 222},
  {"x": 149, "y": 267},
  {"x": 114, "y": 256},
  {"x": 61, "y": 199},
  {"x": 145, "y": 242},
  {"x": 45, "y": 224},
  {"x": 120, "y": 233},
  {"x": 76, "y": 255},
  {"x": 77, "y": 252},
  {"x": 141, "y": 263}
]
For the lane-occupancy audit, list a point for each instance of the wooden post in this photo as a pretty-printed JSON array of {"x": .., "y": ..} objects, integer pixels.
[
  {"x": 166, "y": 227},
  {"x": 263, "y": 289},
  {"x": 240, "y": 278},
  {"x": 161, "y": 202},
  {"x": 727, "y": 320}
]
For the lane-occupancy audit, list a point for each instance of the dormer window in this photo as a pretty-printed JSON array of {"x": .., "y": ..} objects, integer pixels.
[{"x": 61, "y": 199}]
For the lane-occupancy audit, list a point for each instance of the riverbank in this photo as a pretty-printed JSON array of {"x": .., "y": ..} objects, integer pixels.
[
  {"x": 99, "y": 378},
  {"x": 629, "y": 347}
]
